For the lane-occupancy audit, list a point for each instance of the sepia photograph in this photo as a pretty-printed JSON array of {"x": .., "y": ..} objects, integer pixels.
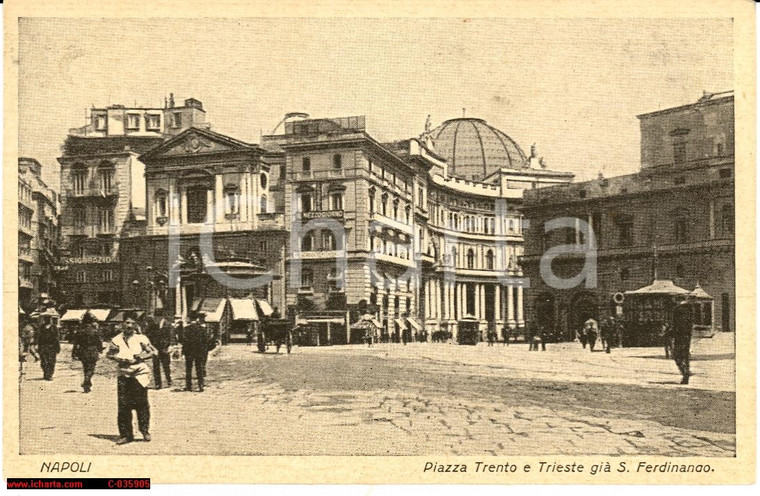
[{"x": 377, "y": 236}]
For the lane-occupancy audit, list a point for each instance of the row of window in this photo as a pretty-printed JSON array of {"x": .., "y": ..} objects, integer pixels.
[
  {"x": 105, "y": 275},
  {"x": 104, "y": 216},
  {"x": 391, "y": 207},
  {"x": 196, "y": 199},
  {"x": 79, "y": 175},
  {"x": 24, "y": 192},
  {"x": 152, "y": 121},
  {"x": 311, "y": 202},
  {"x": 25, "y": 217},
  {"x": 321, "y": 241},
  {"x": 337, "y": 163}
]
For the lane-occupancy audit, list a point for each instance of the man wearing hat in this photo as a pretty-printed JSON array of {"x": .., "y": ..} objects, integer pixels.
[
  {"x": 48, "y": 343},
  {"x": 131, "y": 351},
  {"x": 159, "y": 331},
  {"x": 682, "y": 328},
  {"x": 27, "y": 333},
  {"x": 88, "y": 345},
  {"x": 196, "y": 343}
]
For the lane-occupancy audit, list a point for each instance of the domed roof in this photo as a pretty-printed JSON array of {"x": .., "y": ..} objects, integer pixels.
[{"x": 474, "y": 149}]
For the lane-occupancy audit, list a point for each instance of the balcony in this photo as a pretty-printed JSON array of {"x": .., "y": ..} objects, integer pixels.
[
  {"x": 394, "y": 224},
  {"x": 320, "y": 174},
  {"x": 25, "y": 229},
  {"x": 323, "y": 214},
  {"x": 25, "y": 254},
  {"x": 94, "y": 192},
  {"x": 76, "y": 230},
  {"x": 25, "y": 283},
  {"x": 272, "y": 221},
  {"x": 104, "y": 230}
]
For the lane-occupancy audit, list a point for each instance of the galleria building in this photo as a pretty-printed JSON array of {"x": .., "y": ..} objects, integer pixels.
[{"x": 419, "y": 237}]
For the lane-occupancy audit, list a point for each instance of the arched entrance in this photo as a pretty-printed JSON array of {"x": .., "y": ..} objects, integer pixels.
[{"x": 582, "y": 307}]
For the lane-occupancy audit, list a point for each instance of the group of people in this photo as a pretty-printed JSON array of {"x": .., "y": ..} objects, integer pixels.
[
  {"x": 609, "y": 332},
  {"x": 137, "y": 344}
]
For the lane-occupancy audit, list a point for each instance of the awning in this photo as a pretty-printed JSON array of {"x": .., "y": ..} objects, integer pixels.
[
  {"x": 265, "y": 307},
  {"x": 414, "y": 324},
  {"x": 362, "y": 324},
  {"x": 117, "y": 317},
  {"x": 400, "y": 323},
  {"x": 212, "y": 308},
  {"x": 377, "y": 323},
  {"x": 243, "y": 309},
  {"x": 73, "y": 316},
  {"x": 660, "y": 286},
  {"x": 99, "y": 314}
]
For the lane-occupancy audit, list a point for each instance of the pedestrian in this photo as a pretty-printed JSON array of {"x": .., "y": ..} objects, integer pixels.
[
  {"x": 666, "y": 336},
  {"x": 607, "y": 331},
  {"x": 196, "y": 344},
  {"x": 592, "y": 332},
  {"x": 581, "y": 334},
  {"x": 27, "y": 333},
  {"x": 543, "y": 336},
  {"x": 491, "y": 337},
  {"x": 160, "y": 335},
  {"x": 682, "y": 329},
  {"x": 275, "y": 314},
  {"x": 48, "y": 343},
  {"x": 88, "y": 345},
  {"x": 131, "y": 351}
]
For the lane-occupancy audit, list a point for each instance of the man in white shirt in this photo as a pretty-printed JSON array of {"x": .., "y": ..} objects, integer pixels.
[{"x": 131, "y": 351}]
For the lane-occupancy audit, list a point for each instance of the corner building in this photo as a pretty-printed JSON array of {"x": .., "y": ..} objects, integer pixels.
[
  {"x": 389, "y": 230},
  {"x": 674, "y": 219}
]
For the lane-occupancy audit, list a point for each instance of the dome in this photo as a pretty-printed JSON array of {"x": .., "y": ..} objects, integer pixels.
[{"x": 474, "y": 149}]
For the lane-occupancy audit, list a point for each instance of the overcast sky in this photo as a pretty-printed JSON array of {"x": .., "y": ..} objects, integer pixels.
[{"x": 574, "y": 87}]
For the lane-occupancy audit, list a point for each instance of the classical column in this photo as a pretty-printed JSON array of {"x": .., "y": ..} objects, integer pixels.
[
  {"x": 478, "y": 309},
  {"x": 174, "y": 202},
  {"x": 511, "y": 306},
  {"x": 210, "y": 207},
  {"x": 462, "y": 301},
  {"x": 482, "y": 302},
  {"x": 445, "y": 289},
  {"x": 520, "y": 320},
  {"x": 183, "y": 205},
  {"x": 497, "y": 303},
  {"x": 712, "y": 218},
  {"x": 218, "y": 199},
  {"x": 437, "y": 292}
]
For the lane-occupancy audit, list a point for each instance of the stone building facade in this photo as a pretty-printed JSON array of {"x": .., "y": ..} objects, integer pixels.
[
  {"x": 103, "y": 186},
  {"x": 38, "y": 236},
  {"x": 674, "y": 219}
]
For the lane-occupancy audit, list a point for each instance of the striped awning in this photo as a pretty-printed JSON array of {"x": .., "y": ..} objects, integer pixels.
[
  {"x": 265, "y": 307},
  {"x": 414, "y": 324},
  {"x": 400, "y": 323},
  {"x": 99, "y": 314},
  {"x": 243, "y": 309},
  {"x": 212, "y": 308},
  {"x": 73, "y": 316}
]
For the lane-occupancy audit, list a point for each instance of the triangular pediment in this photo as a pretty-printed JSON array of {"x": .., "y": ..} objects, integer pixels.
[{"x": 194, "y": 142}]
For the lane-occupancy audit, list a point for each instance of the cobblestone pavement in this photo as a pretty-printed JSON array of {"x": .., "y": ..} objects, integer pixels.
[{"x": 421, "y": 399}]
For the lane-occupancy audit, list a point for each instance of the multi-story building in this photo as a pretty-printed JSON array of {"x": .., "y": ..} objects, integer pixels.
[
  {"x": 209, "y": 214},
  {"x": 337, "y": 226},
  {"x": 38, "y": 235},
  {"x": 674, "y": 219},
  {"x": 393, "y": 230},
  {"x": 103, "y": 185}
]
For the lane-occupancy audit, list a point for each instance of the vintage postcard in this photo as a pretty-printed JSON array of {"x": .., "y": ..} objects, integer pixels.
[{"x": 441, "y": 242}]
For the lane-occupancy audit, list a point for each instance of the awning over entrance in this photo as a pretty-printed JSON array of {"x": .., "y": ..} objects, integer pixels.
[
  {"x": 265, "y": 307},
  {"x": 243, "y": 309},
  {"x": 377, "y": 323},
  {"x": 213, "y": 308},
  {"x": 400, "y": 323},
  {"x": 99, "y": 314},
  {"x": 414, "y": 324},
  {"x": 660, "y": 286},
  {"x": 73, "y": 316}
]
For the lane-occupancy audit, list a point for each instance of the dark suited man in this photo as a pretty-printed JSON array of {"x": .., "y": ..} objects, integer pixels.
[
  {"x": 88, "y": 345},
  {"x": 160, "y": 335},
  {"x": 196, "y": 343},
  {"x": 48, "y": 345},
  {"x": 682, "y": 328}
]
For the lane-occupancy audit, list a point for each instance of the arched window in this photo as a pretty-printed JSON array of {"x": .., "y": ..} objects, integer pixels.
[
  {"x": 264, "y": 204},
  {"x": 489, "y": 260},
  {"x": 307, "y": 242},
  {"x": 727, "y": 219},
  {"x": 337, "y": 161},
  {"x": 395, "y": 209},
  {"x": 160, "y": 205},
  {"x": 307, "y": 278},
  {"x": 264, "y": 180},
  {"x": 78, "y": 178},
  {"x": 384, "y": 205},
  {"x": 680, "y": 224},
  {"x": 407, "y": 213},
  {"x": 372, "y": 201},
  {"x": 454, "y": 256},
  {"x": 106, "y": 174},
  {"x": 470, "y": 259},
  {"x": 80, "y": 216},
  {"x": 328, "y": 241}
]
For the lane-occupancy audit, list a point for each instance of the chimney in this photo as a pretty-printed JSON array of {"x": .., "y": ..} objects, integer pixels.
[{"x": 171, "y": 100}]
